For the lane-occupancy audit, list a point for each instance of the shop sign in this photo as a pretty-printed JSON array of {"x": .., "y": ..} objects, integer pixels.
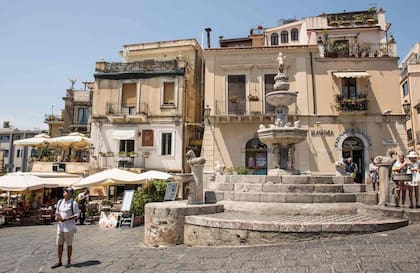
[{"x": 352, "y": 132}]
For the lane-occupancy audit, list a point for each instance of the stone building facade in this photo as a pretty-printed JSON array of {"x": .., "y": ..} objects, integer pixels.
[
  {"x": 147, "y": 109},
  {"x": 344, "y": 67}
]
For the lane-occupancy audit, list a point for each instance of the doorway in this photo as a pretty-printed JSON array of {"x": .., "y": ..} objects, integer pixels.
[
  {"x": 353, "y": 147},
  {"x": 256, "y": 157}
]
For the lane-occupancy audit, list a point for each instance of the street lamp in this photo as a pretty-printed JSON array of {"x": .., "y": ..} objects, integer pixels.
[
  {"x": 207, "y": 111},
  {"x": 407, "y": 107}
]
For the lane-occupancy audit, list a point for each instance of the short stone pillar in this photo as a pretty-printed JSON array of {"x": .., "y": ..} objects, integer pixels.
[
  {"x": 384, "y": 164},
  {"x": 196, "y": 189}
]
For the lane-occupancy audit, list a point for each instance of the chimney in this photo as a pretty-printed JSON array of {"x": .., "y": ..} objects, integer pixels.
[
  {"x": 6, "y": 124},
  {"x": 208, "y": 30}
]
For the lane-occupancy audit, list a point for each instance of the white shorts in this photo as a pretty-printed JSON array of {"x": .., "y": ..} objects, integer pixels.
[{"x": 65, "y": 237}]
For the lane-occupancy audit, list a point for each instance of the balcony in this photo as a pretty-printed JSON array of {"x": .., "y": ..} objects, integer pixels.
[
  {"x": 127, "y": 112},
  {"x": 357, "y": 104},
  {"x": 141, "y": 69},
  {"x": 235, "y": 110},
  {"x": 353, "y": 19},
  {"x": 53, "y": 119},
  {"x": 358, "y": 50}
]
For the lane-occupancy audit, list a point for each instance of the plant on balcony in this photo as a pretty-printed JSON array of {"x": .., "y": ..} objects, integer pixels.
[
  {"x": 109, "y": 154},
  {"x": 344, "y": 21},
  {"x": 122, "y": 154},
  {"x": 333, "y": 20},
  {"x": 132, "y": 154},
  {"x": 109, "y": 109},
  {"x": 253, "y": 98},
  {"x": 358, "y": 103},
  {"x": 234, "y": 99},
  {"x": 358, "y": 19}
]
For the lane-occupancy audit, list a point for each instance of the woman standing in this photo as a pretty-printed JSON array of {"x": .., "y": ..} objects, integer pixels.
[{"x": 373, "y": 174}]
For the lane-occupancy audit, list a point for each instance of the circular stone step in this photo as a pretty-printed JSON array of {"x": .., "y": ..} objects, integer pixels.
[{"x": 236, "y": 228}]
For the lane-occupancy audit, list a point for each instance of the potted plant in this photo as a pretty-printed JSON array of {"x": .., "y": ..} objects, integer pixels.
[
  {"x": 358, "y": 19},
  {"x": 234, "y": 99},
  {"x": 132, "y": 154},
  {"x": 109, "y": 154},
  {"x": 122, "y": 154},
  {"x": 253, "y": 98},
  {"x": 333, "y": 20}
]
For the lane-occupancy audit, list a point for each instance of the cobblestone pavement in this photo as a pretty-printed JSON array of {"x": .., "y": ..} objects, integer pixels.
[{"x": 31, "y": 249}]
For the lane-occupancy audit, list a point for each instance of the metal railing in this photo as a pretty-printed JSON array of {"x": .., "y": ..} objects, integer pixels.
[{"x": 128, "y": 109}]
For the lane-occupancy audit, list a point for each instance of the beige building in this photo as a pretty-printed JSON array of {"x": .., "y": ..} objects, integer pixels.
[
  {"x": 147, "y": 108},
  {"x": 346, "y": 72},
  {"x": 409, "y": 82}
]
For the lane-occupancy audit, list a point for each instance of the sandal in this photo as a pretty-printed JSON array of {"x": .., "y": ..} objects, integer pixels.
[
  {"x": 68, "y": 265},
  {"x": 56, "y": 265}
]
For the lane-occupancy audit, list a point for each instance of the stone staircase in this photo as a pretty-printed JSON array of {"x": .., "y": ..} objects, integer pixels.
[
  {"x": 273, "y": 209},
  {"x": 289, "y": 189}
]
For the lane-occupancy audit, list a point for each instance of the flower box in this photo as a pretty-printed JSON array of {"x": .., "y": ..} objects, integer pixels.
[{"x": 253, "y": 98}]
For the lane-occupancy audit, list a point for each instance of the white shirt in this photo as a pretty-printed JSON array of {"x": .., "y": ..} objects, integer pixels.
[{"x": 65, "y": 211}]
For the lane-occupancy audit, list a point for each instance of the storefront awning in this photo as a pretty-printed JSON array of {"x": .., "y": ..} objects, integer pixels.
[
  {"x": 122, "y": 134},
  {"x": 351, "y": 74}
]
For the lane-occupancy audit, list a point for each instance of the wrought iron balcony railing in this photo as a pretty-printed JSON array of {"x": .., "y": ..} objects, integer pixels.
[{"x": 358, "y": 103}]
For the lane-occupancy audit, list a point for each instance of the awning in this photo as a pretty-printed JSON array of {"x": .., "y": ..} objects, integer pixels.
[
  {"x": 122, "y": 134},
  {"x": 351, "y": 74}
]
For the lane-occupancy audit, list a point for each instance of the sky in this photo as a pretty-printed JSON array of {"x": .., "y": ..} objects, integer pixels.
[{"x": 45, "y": 43}]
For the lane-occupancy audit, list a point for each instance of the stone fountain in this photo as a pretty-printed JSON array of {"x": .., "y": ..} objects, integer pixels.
[{"x": 282, "y": 135}]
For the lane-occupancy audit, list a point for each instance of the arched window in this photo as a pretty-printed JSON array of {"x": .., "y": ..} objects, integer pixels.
[
  {"x": 294, "y": 34},
  {"x": 284, "y": 36},
  {"x": 274, "y": 39},
  {"x": 256, "y": 157}
]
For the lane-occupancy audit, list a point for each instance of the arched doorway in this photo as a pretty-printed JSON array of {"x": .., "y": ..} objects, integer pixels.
[
  {"x": 256, "y": 157},
  {"x": 353, "y": 147}
]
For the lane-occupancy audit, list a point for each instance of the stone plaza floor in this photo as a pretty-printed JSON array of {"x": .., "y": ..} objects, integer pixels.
[{"x": 31, "y": 249}]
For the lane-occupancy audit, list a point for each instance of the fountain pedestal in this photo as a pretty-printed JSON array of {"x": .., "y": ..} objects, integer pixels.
[{"x": 282, "y": 135}]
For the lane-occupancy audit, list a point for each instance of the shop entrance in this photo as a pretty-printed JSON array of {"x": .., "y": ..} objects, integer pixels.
[{"x": 353, "y": 147}]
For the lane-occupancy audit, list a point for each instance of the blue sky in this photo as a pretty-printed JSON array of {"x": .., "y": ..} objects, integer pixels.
[{"x": 47, "y": 42}]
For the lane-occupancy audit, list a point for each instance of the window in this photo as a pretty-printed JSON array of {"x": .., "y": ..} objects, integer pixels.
[
  {"x": 5, "y": 153},
  {"x": 284, "y": 36},
  {"x": 236, "y": 94},
  {"x": 409, "y": 135},
  {"x": 268, "y": 87},
  {"x": 129, "y": 98},
  {"x": 294, "y": 34},
  {"x": 405, "y": 88},
  {"x": 349, "y": 88},
  {"x": 274, "y": 39},
  {"x": 166, "y": 144},
  {"x": 82, "y": 115},
  {"x": 4, "y": 138},
  {"x": 18, "y": 153},
  {"x": 17, "y": 137},
  {"x": 169, "y": 93},
  {"x": 147, "y": 138},
  {"x": 126, "y": 146},
  {"x": 256, "y": 157},
  {"x": 18, "y": 169}
]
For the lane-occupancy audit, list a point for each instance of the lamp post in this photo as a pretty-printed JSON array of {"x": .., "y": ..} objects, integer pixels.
[
  {"x": 207, "y": 111},
  {"x": 407, "y": 110}
]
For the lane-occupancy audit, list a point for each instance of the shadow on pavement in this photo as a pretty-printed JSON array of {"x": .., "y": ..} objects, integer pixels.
[{"x": 87, "y": 263}]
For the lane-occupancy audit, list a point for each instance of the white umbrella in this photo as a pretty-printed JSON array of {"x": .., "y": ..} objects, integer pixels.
[
  {"x": 22, "y": 181},
  {"x": 40, "y": 140},
  {"x": 150, "y": 175},
  {"x": 110, "y": 177},
  {"x": 73, "y": 140}
]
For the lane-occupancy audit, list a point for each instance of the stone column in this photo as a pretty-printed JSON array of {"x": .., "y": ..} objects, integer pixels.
[
  {"x": 384, "y": 164},
  {"x": 196, "y": 195}
]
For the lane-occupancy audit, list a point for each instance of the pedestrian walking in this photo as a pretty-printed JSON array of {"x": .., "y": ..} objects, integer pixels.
[
  {"x": 373, "y": 174},
  {"x": 413, "y": 185},
  {"x": 66, "y": 213},
  {"x": 400, "y": 189},
  {"x": 83, "y": 200}
]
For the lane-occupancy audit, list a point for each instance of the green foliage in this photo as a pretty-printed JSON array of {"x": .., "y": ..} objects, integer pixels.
[
  {"x": 241, "y": 171},
  {"x": 152, "y": 192}
]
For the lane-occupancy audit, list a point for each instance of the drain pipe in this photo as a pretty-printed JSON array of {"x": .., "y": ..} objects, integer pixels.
[{"x": 313, "y": 83}]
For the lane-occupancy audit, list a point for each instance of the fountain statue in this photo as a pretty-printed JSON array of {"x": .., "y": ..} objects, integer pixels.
[{"x": 282, "y": 135}]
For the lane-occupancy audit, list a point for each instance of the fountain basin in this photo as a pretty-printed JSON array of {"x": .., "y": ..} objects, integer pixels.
[
  {"x": 282, "y": 135},
  {"x": 279, "y": 98}
]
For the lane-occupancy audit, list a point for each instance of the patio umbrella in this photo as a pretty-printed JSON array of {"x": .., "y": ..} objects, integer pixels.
[
  {"x": 110, "y": 177},
  {"x": 151, "y": 175},
  {"x": 20, "y": 181},
  {"x": 73, "y": 140},
  {"x": 40, "y": 140}
]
